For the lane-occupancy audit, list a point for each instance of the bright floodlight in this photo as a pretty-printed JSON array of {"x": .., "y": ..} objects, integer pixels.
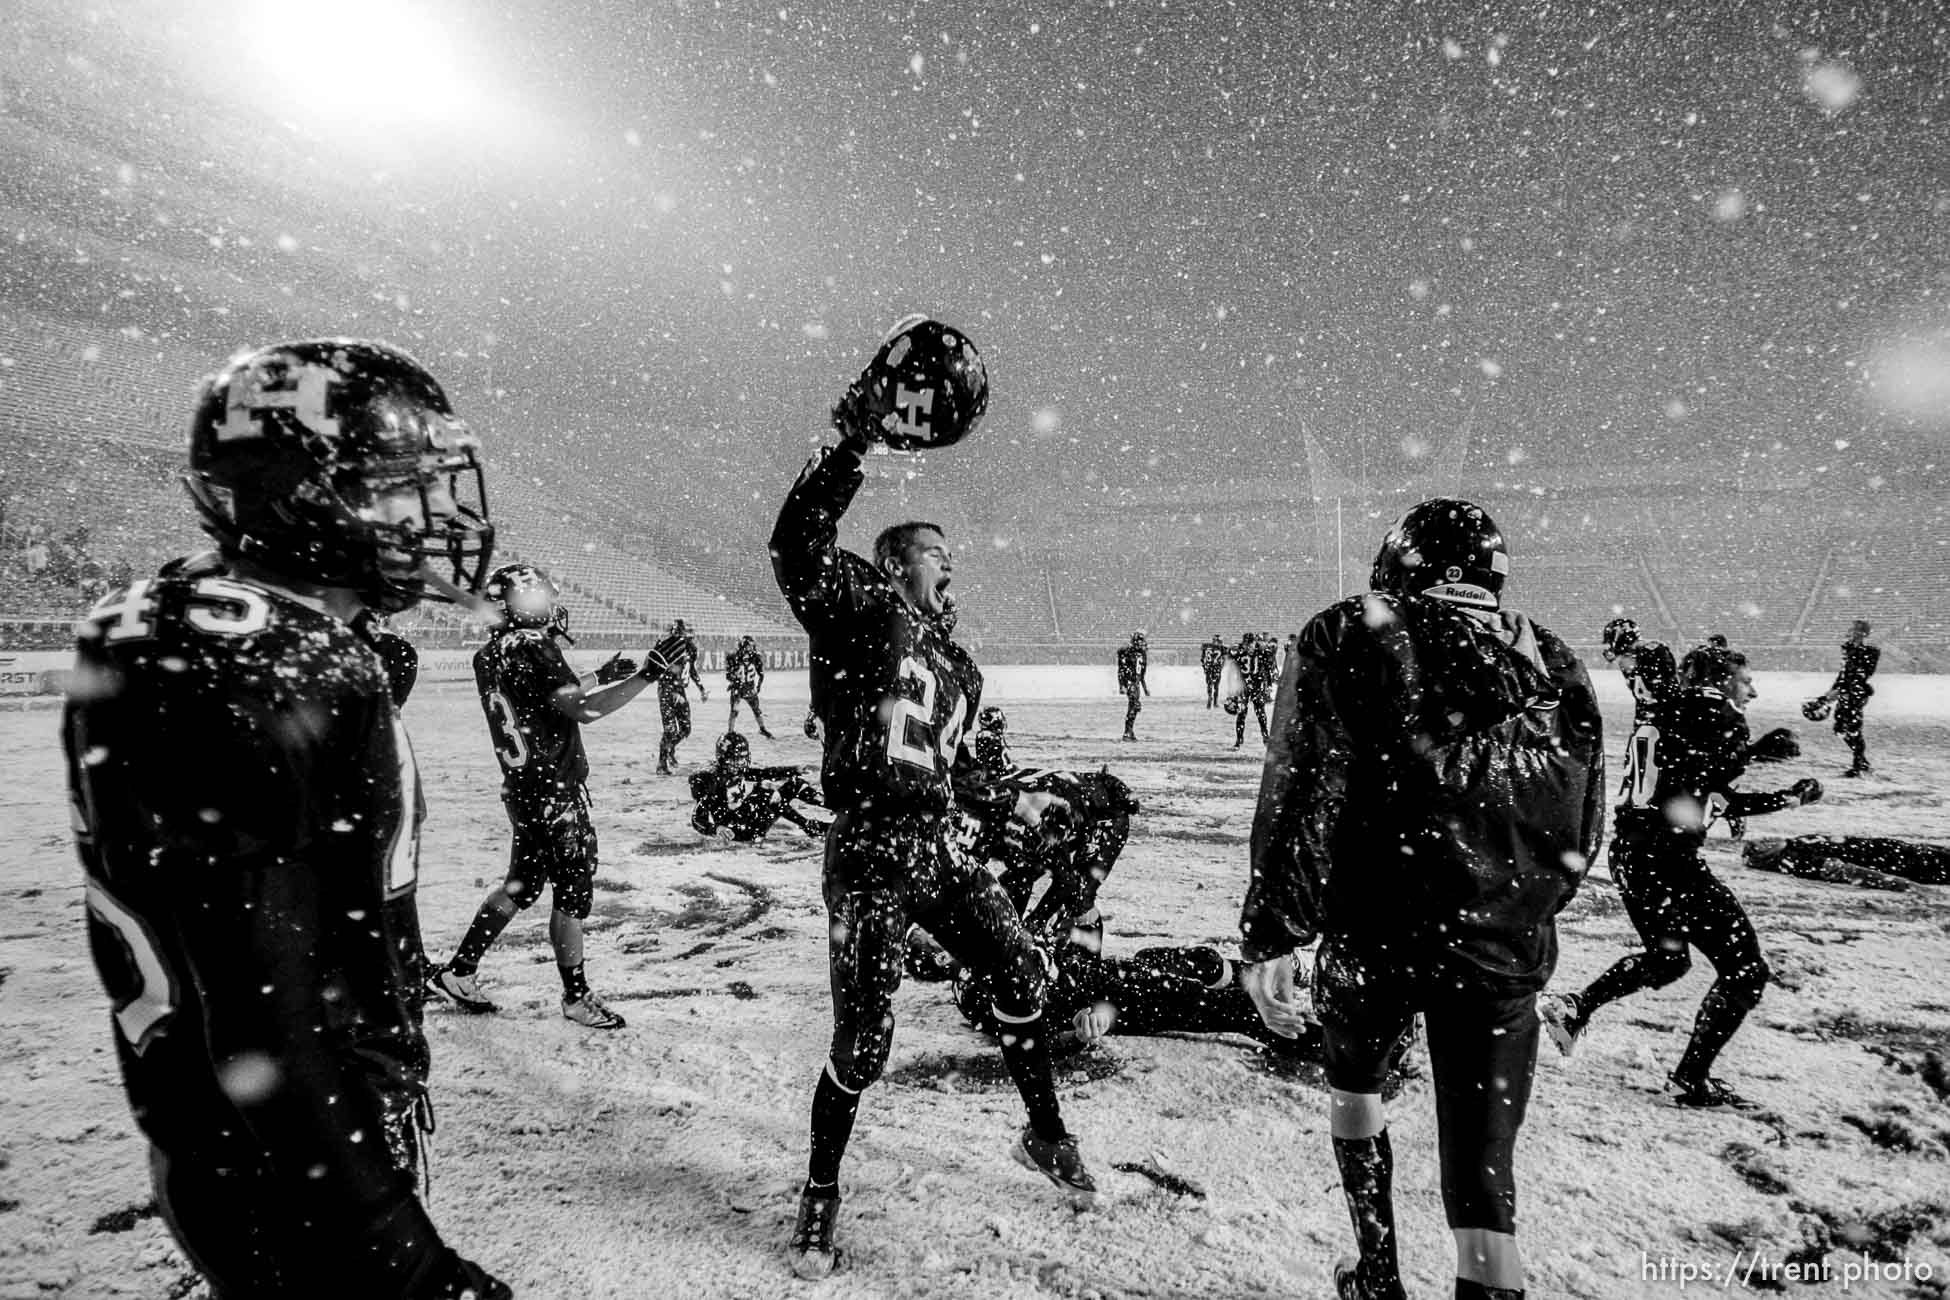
[{"x": 372, "y": 61}]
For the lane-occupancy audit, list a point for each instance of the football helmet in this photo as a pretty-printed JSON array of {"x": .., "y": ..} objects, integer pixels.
[
  {"x": 926, "y": 387},
  {"x": 1137, "y": 638},
  {"x": 1818, "y": 709},
  {"x": 1447, "y": 549},
  {"x": 991, "y": 718},
  {"x": 734, "y": 751},
  {"x": 525, "y": 596},
  {"x": 1620, "y": 636},
  {"x": 297, "y": 450}
]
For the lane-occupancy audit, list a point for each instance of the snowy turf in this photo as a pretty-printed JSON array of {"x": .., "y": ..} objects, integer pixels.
[{"x": 664, "y": 1160}]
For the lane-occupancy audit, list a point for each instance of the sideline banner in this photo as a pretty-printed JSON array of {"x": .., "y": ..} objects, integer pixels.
[{"x": 35, "y": 672}]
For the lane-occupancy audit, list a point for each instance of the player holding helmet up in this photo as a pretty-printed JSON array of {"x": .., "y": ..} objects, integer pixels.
[
  {"x": 1132, "y": 661},
  {"x": 1680, "y": 770},
  {"x": 248, "y": 818},
  {"x": 893, "y": 703},
  {"x": 1431, "y": 797},
  {"x": 535, "y": 705}
]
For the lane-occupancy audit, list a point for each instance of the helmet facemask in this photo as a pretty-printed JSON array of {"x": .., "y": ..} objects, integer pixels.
[{"x": 437, "y": 550}]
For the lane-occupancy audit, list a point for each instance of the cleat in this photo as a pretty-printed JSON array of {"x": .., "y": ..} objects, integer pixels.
[
  {"x": 1349, "y": 1285},
  {"x": 589, "y": 1012},
  {"x": 464, "y": 991},
  {"x": 1061, "y": 1163},
  {"x": 812, "y": 1253},
  {"x": 1705, "y": 1094},
  {"x": 768, "y": 735},
  {"x": 1561, "y": 1019}
]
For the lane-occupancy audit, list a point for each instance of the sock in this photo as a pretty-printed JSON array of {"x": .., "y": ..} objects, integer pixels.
[
  {"x": 1368, "y": 1176},
  {"x": 833, "y": 1110},
  {"x": 486, "y": 928},
  {"x": 1719, "y": 1016},
  {"x": 575, "y": 985},
  {"x": 1468, "y": 1290},
  {"x": 1025, "y": 1050}
]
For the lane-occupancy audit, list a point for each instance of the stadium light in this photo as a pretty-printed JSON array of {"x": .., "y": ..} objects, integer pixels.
[{"x": 369, "y": 62}]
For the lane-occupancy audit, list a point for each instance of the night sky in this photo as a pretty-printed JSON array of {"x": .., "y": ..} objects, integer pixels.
[{"x": 650, "y": 242}]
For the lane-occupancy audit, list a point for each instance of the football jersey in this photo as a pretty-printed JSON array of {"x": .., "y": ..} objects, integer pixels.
[
  {"x": 1858, "y": 665},
  {"x": 744, "y": 669},
  {"x": 1212, "y": 658},
  {"x": 538, "y": 746},
  {"x": 402, "y": 661},
  {"x": 1680, "y": 769},
  {"x": 247, "y": 814},
  {"x": 671, "y": 688},
  {"x": 889, "y": 686},
  {"x": 1131, "y": 663}
]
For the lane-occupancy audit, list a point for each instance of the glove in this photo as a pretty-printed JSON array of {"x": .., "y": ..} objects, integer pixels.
[
  {"x": 454, "y": 1278},
  {"x": 856, "y": 425},
  {"x": 659, "y": 657},
  {"x": 615, "y": 669},
  {"x": 1807, "y": 790}
]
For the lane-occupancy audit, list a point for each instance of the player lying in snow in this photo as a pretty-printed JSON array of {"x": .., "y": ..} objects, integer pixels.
[
  {"x": 1031, "y": 824},
  {"x": 1164, "y": 990},
  {"x": 1872, "y": 861},
  {"x": 736, "y": 801}
]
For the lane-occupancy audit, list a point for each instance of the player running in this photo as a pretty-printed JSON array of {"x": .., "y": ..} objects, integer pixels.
[{"x": 1680, "y": 770}]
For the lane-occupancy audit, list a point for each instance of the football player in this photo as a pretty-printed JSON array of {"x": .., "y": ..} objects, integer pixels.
[
  {"x": 1212, "y": 662},
  {"x": 1132, "y": 661},
  {"x": 1680, "y": 770},
  {"x": 744, "y": 674},
  {"x": 894, "y": 699},
  {"x": 1163, "y": 990},
  {"x": 535, "y": 705},
  {"x": 248, "y": 811},
  {"x": 737, "y": 801},
  {"x": 1255, "y": 662},
  {"x": 1648, "y": 667},
  {"x": 674, "y": 697},
  {"x": 1850, "y": 694},
  {"x": 1030, "y": 825},
  {"x": 1433, "y": 887}
]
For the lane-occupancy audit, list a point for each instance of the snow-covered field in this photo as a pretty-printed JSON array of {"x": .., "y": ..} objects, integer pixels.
[{"x": 664, "y": 1160}]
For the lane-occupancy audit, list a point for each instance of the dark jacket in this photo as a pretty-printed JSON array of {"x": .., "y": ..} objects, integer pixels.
[{"x": 1434, "y": 780}]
